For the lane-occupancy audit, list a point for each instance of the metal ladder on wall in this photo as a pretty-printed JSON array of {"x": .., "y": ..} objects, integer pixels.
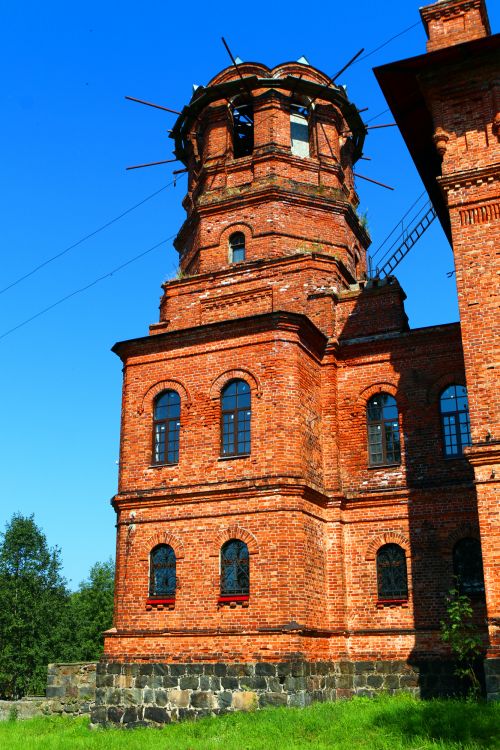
[{"x": 404, "y": 242}]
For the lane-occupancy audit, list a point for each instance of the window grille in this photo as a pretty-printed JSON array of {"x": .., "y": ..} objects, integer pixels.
[
  {"x": 235, "y": 415},
  {"x": 384, "y": 445},
  {"x": 392, "y": 580},
  {"x": 455, "y": 421},
  {"x": 166, "y": 428},
  {"x": 468, "y": 566},
  {"x": 162, "y": 572},
  {"x": 235, "y": 573}
]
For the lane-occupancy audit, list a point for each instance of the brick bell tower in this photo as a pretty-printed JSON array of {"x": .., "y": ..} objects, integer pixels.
[
  {"x": 447, "y": 105},
  {"x": 221, "y": 403}
]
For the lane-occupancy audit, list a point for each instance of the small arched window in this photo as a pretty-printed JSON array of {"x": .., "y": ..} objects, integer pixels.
[
  {"x": 299, "y": 129},
  {"x": 455, "y": 421},
  {"x": 162, "y": 572},
  {"x": 468, "y": 566},
  {"x": 392, "y": 579},
  {"x": 383, "y": 430},
  {"x": 242, "y": 112},
  {"x": 235, "y": 418},
  {"x": 237, "y": 247},
  {"x": 235, "y": 569},
  {"x": 166, "y": 428}
]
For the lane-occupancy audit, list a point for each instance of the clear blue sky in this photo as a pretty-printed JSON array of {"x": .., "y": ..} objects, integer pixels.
[{"x": 68, "y": 134}]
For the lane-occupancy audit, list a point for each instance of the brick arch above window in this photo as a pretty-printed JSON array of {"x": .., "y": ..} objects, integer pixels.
[
  {"x": 461, "y": 532},
  {"x": 388, "y": 537},
  {"x": 241, "y": 226},
  {"x": 163, "y": 537},
  {"x": 438, "y": 386},
  {"x": 163, "y": 385},
  {"x": 382, "y": 386},
  {"x": 237, "y": 374},
  {"x": 235, "y": 532}
]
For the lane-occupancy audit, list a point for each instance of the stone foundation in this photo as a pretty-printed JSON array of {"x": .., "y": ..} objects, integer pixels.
[
  {"x": 492, "y": 679},
  {"x": 150, "y": 694}
]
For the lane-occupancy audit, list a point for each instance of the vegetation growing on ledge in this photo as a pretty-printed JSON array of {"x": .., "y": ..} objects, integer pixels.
[{"x": 385, "y": 723}]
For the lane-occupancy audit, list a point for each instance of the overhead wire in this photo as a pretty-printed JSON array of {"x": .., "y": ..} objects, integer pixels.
[
  {"x": 85, "y": 238},
  {"x": 87, "y": 286}
]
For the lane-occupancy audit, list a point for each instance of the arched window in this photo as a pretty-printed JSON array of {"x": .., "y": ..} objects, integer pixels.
[
  {"x": 236, "y": 412},
  {"x": 455, "y": 420},
  {"x": 237, "y": 247},
  {"x": 299, "y": 129},
  {"x": 234, "y": 569},
  {"x": 162, "y": 567},
  {"x": 468, "y": 566},
  {"x": 166, "y": 428},
  {"x": 392, "y": 580},
  {"x": 242, "y": 112},
  {"x": 383, "y": 430}
]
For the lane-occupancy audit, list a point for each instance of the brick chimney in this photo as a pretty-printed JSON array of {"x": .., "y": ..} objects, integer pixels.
[{"x": 450, "y": 22}]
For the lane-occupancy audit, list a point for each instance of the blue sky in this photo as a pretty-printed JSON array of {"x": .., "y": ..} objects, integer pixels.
[{"x": 68, "y": 135}]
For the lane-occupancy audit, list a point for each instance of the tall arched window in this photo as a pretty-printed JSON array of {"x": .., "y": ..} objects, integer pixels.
[
  {"x": 392, "y": 579},
  {"x": 468, "y": 566},
  {"x": 383, "y": 430},
  {"x": 234, "y": 568},
  {"x": 235, "y": 418},
  {"x": 242, "y": 112},
  {"x": 299, "y": 129},
  {"x": 237, "y": 247},
  {"x": 166, "y": 428},
  {"x": 162, "y": 572},
  {"x": 455, "y": 421}
]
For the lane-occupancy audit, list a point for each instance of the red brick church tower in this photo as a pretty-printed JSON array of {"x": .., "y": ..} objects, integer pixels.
[{"x": 294, "y": 494}]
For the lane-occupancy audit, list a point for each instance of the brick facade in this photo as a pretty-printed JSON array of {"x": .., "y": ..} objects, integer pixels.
[{"x": 314, "y": 340}]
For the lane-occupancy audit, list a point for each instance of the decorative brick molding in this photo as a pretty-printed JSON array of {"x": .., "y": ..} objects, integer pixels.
[
  {"x": 162, "y": 537},
  {"x": 380, "y": 387},
  {"x": 480, "y": 213},
  {"x": 388, "y": 537},
  {"x": 439, "y": 385},
  {"x": 465, "y": 530},
  {"x": 163, "y": 385},
  {"x": 221, "y": 380},
  {"x": 235, "y": 532}
]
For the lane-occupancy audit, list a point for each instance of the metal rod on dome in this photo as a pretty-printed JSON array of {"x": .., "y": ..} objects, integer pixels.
[
  {"x": 179, "y": 171},
  {"x": 333, "y": 78},
  {"x": 152, "y": 164},
  {"x": 364, "y": 109},
  {"x": 235, "y": 65},
  {"x": 375, "y": 182},
  {"x": 156, "y": 106},
  {"x": 366, "y": 158}
]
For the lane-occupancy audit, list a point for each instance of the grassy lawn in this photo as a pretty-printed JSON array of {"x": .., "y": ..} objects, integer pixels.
[{"x": 386, "y": 723}]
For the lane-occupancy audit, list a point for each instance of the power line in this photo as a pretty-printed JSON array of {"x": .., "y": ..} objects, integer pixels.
[
  {"x": 85, "y": 238},
  {"x": 87, "y": 286}
]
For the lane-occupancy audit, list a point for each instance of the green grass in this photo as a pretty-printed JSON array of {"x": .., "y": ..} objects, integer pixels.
[{"x": 386, "y": 723}]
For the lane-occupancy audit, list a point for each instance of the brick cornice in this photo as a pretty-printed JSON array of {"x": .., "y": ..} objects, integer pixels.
[{"x": 469, "y": 177}]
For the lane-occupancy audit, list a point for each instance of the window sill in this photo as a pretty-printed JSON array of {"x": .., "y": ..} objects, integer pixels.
[
  {"x": 384, "y": 466},
  {"x": 381, "y": 603},
  {"x": 161, "y": 466},
  {"x": 232, "y": 457},
  {"x": 234, "y": 600},
  {"x": 160, "y": 604}
]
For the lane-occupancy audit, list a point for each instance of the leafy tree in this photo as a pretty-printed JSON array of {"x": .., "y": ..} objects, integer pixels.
[
  {"x": 33, "y": 607},
  {"x": 91, "y": 612},
  {"x": 461, "y": 633}
]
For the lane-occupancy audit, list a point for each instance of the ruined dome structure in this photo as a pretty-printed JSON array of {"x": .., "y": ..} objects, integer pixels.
[{"x": 272, "y": 149}]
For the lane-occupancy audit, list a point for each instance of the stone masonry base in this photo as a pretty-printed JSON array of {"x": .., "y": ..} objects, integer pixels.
[{"x": 154, "y": 694}]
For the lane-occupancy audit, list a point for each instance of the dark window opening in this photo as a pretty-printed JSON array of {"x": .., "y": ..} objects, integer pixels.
[
  {"x": 242, "y": 129},
  {"x": 237, "y": 247},
  {"x": 455, "y": 420},
  {"x": 162, "y": 572},
  {"x": 235, "y": 569},
  {"x": 384, "y": 445},
  {"x": 299, "y": 129},
  {"x": 166, "y": 428},
  {"x": 468, "y": 566},
  {"x": 235, "y": 416},
  {"x": 392, "y": 579}
]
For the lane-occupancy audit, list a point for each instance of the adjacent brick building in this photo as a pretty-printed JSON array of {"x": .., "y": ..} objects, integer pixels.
[{"x": 298, "y": 481}]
